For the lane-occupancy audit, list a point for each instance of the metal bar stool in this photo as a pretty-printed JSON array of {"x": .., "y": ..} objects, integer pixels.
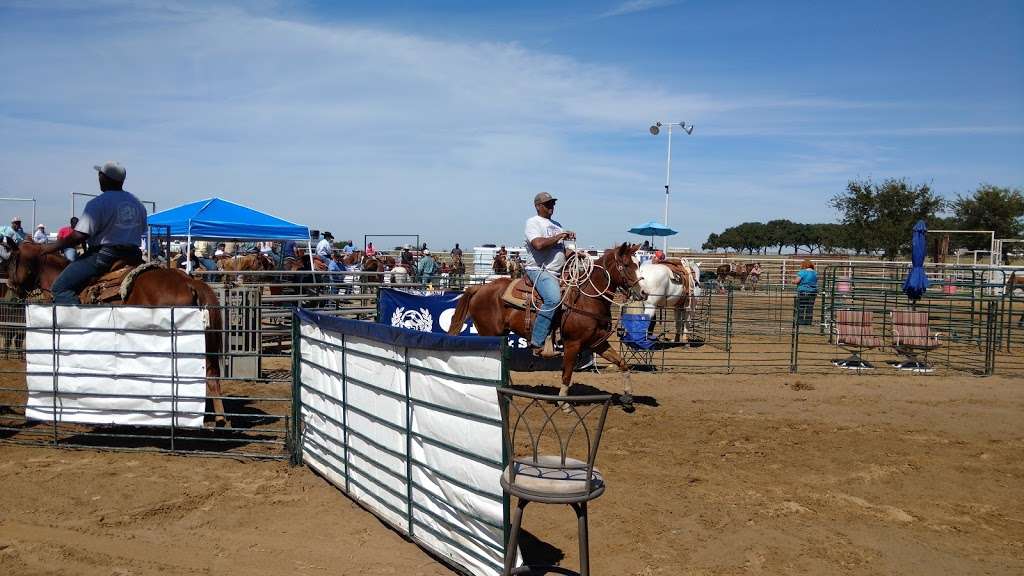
[{"x": 542, "y": 433}]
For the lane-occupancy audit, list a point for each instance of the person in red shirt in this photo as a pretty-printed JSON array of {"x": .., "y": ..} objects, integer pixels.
[{"x": 70, "y": 253}]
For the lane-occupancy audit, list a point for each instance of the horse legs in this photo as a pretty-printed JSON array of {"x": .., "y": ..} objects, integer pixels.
[
  {"x": 213, "y": 390},
  {"x": 570, "y": 350},
  {"x": 608, "y": 353}
]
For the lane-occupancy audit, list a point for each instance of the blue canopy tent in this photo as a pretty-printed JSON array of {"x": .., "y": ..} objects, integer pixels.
[{"x": 215, "y": 218}]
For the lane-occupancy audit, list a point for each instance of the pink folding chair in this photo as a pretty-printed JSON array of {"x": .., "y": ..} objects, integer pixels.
[
  {"x": 855, "y": 334},
  {"x": 910, "y": 337}
]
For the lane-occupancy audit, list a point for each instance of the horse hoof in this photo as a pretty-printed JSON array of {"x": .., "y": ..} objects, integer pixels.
[{"x": 626, "y": 399}]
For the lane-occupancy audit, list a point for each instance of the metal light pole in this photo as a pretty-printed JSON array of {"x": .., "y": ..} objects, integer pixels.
[{"x": 655, "y": 130}]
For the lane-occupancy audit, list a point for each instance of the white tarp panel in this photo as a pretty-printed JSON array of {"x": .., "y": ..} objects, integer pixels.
[
  {"x": 116, "y": 365},
  {"x": 454, "y": 437}
]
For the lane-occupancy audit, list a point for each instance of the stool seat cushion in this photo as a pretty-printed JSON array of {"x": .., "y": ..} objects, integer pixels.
[{"x": 548, "y": 476}]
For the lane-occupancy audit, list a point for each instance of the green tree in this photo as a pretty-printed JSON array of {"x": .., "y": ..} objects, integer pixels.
[
  {"x": 780, "y": 233},
  {"x": 881, "y": 216},
  {"x": 713, "y": 242},
  {"x": 989, "y": 208}
]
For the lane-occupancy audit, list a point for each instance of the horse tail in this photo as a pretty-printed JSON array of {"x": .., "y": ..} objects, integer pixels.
[
  {"x": 462, "y": 310},
  {"x": 206, "y": 298}
]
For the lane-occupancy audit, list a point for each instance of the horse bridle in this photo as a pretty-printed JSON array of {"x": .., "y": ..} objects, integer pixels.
[{"x": 15, "y": 259}]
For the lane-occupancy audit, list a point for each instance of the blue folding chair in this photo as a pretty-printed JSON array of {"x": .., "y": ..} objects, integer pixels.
[{"x": 635, "y": 347}]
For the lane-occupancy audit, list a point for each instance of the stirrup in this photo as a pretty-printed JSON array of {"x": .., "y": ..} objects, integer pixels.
[{"x": 547, "y": 351}]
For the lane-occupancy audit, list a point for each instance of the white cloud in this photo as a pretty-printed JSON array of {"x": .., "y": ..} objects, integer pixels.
[{"x": 634, "y": 6}]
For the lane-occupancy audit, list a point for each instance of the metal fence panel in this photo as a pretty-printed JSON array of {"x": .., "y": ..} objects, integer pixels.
[{"x": 408, "y": 425}]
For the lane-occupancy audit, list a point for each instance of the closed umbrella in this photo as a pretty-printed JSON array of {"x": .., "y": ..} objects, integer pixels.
[{"x": 917, "y": 281}]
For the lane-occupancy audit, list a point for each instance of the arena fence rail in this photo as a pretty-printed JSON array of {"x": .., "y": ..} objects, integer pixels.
[
  {"x": 134, "y": 378},
  {"x": 972, "y": 324}
]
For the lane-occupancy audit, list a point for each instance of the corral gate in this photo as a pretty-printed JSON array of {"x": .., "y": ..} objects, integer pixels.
[{"x": 242, "y": 331}]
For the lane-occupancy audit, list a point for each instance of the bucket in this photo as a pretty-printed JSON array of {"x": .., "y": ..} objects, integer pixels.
[
  {"x": 949, "y": 289},
  {"x": 843, "y": 285}
]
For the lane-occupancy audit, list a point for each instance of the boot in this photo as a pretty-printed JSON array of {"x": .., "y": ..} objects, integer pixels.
[{"x": 548, "y": 351}]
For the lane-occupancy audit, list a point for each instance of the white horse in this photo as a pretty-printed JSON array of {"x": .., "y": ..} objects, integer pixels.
[
  {"x": 662, "y": 292},
  {"x": 400, "y": 274}
]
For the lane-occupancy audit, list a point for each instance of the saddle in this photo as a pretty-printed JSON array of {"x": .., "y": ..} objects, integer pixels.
[
  {"x": 680, "y": 274},
  {"x": 115, "y": 285},
  {"x": 520, "y": 294}
]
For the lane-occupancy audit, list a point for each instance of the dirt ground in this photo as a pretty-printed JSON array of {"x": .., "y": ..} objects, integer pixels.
[{"x": 712, "y": 475}]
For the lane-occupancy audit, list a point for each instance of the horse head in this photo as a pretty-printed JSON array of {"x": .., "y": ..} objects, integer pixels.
[
  {"x": 23, "y": 265},
  {"x": 623, "y": 271}
]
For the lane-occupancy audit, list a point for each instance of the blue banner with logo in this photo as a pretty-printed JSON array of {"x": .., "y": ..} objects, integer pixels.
[{"x": 432, "y": 311}]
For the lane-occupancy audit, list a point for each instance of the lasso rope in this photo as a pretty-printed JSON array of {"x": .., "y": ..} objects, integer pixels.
[{"x": 578, "y": 273}]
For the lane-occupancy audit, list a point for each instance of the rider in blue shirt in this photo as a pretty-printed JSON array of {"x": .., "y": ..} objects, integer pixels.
[{"x": 113, "y": 224}]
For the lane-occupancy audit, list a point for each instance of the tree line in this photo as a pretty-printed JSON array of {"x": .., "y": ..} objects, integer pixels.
[{"x": 877, "y": 218}]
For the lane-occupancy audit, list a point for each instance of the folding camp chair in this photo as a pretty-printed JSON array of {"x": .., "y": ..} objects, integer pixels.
[
  {"x": 855, "y": 334},
  {"x": 910, "y": 336},
  {"x": 635, "y": 347}
]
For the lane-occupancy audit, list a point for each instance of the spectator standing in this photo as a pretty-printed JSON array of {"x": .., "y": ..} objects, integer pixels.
[
  {"x": 40, "y": 236},
  {"x": 806, "y": 292},
  {"x": 426, "y": 268},
  {"x": 70, "y": 252}
]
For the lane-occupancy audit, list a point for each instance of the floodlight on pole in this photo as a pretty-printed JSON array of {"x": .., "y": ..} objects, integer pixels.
[{"x": 655, "y": 129}]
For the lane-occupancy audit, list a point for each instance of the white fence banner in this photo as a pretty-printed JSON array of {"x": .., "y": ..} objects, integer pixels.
[
  {"x": 407, "y": 423},
  {"x": 116, "y": 365}
]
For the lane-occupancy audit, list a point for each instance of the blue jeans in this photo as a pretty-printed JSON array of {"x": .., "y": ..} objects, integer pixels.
[
  {"x": 209, "y": 264},
  {"x": 65, "y": 288},
  {"x": 546, "y": 284},
  {"x": 805, "y": 307}
]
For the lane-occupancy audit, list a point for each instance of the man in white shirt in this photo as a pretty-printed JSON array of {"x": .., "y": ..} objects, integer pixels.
[
  {"x": 41, "y": 237},
  {"x": 325, "y": 252},
  {"x": 544, "y": 238}
]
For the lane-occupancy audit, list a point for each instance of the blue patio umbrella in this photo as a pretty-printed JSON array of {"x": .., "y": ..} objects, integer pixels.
[
  {"x": 917, "y": 280},
  {"x": 652, "y": 228}
]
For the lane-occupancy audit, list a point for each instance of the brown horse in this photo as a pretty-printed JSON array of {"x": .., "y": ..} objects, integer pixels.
[
  {"x": 586, "y": 319},
  {"x": 353, "y": 259},
  {"x": 749, "y": 272},
  {"x": 500, "y": 264},
  {"x": 1015, "y": 281},
  {"x": 251, "y": 262},
  {"x": 373, "y": 264},
  {"x": 28, "y": 270}
]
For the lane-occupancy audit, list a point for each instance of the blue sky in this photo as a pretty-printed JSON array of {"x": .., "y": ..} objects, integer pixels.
[{"x": 444, "y": 119}]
